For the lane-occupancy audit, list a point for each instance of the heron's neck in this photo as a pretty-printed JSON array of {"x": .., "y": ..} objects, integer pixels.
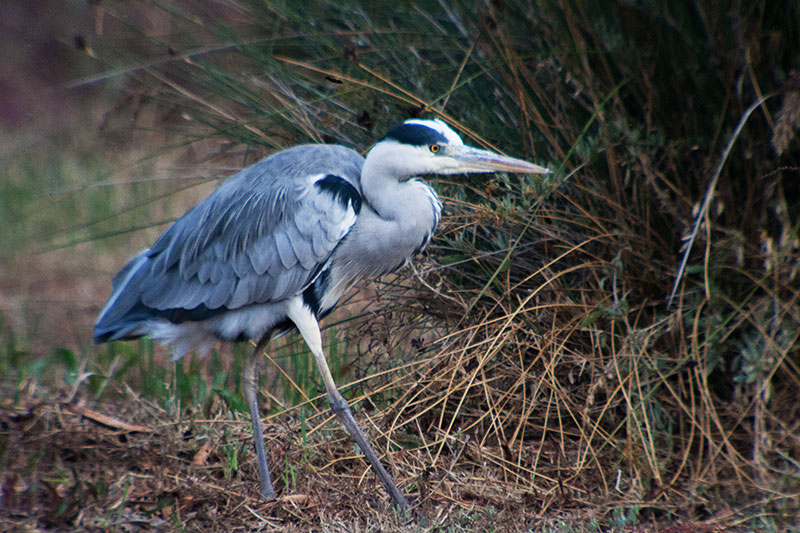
[
  {"x": 392, "y": 199},
  {"x": 396, "y": 221}
]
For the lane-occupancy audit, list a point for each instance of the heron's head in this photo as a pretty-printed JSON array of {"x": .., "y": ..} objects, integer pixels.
[{"x": 430, "y": 147}]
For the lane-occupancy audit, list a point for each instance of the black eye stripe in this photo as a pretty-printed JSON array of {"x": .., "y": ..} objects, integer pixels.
[{"x": 415, "y": 135}]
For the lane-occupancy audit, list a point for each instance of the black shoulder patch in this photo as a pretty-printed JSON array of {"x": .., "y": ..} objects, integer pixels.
[
  {"x": 342, "y": 190},
  {"x": 415, "y": 135}
]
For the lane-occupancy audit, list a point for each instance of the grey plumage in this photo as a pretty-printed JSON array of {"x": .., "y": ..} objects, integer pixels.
[
  {"x": 256, "y": 239},
  {"x": 277, "y": 245}
]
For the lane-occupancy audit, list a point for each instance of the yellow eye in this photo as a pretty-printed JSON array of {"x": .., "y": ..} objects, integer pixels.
[{"x": 435, "y": 148}]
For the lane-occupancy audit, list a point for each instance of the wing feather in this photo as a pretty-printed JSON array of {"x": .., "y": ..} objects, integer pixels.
[
  {"x": 302, "y": 246},
  {"x": 218, "y": 295},
  {"x": 242, "y": 293},
  {"x": 285, "y": 251},
  {"x": 307, "y": 225},
  {"x": 319, "y": 241}
]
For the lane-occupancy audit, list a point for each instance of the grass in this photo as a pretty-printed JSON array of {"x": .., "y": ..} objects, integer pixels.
[{"x": 542, "y": 378}]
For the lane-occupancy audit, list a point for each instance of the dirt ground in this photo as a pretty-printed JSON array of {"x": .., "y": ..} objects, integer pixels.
[{"x": 128, "y": 465}]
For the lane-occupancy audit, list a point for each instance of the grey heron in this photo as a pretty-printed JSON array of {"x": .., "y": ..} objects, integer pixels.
[{"x": 278, "y": 244}]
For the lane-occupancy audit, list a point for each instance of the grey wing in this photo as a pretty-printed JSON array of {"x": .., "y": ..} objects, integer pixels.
[{"x": 262, "y": 236}]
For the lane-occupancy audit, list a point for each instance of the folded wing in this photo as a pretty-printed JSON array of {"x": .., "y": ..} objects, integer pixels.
[{"x": 263, "y": 236}]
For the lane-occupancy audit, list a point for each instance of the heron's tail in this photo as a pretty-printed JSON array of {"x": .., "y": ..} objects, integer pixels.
[{"x": 123, "y": 313}]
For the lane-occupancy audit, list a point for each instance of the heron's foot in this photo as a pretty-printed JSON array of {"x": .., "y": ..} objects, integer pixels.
[
  {"x": 341, "y": 409},
  {"x": 267, "y": 491}
]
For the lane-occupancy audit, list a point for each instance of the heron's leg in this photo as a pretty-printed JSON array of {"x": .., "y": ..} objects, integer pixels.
[
  {"x": 250, "y": 385},
  {"x": 309, "y": 328}
]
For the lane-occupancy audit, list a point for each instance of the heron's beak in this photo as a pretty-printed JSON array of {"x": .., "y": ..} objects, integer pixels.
[{"x": 470, "y": 159}]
